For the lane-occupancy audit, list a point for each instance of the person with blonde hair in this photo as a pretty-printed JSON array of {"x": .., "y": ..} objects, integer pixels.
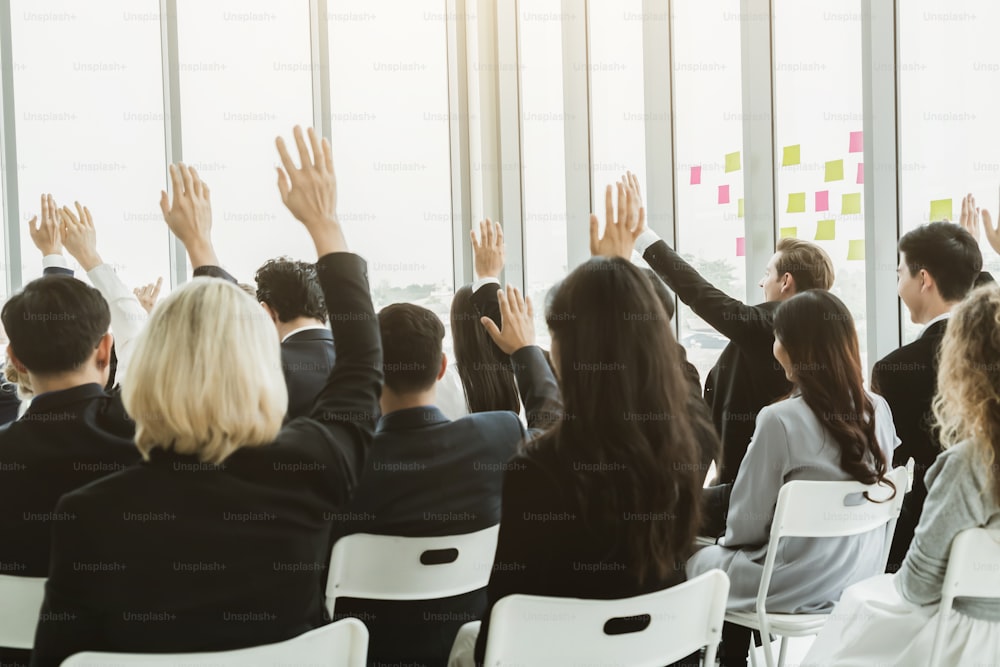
[
  {"x": 892, "y": 619},
  {"x": 220, "y": 538}
]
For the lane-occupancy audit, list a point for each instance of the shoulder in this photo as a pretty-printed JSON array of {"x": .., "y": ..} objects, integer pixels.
[
  {"x": 497, "y": 424},
  {"x": 910, "y": 357},
  {"x": 960, "y": 464}
]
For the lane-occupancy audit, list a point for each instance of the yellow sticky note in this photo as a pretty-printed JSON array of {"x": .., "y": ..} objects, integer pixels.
[
  {"x": 797, "y": 202},
  {"x": 739, "y": 207},
  {"x": 856, "y": 249},
  {"x": 834, "y": 170},
  {"x": 941, "y": 210},
  {"x": 790, "y": 156},
  {"x": 826, "y": 230},
  {"x": 789, "y": 232},
  {"x": 732, "y": 162},
  {"x": 850, "y": 204}
]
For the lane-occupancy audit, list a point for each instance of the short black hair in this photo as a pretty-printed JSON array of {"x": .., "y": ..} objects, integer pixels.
[
  {"x": 946, "y": 251},
  {"x": 291, "y": 289},
  {"x": 411, "y": 347},
  {"x": 55, "y": 323}
]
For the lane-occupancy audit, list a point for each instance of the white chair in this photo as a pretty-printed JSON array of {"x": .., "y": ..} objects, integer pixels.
[
  {"x": 818, "y": 509},
  {"x": 383, "y": 567},
  {"x": 973, "y": 572},
  {"x": 20, "y": 602},
  {"x": 340, "y": 644},
  {"x": 537, "y": 630}
]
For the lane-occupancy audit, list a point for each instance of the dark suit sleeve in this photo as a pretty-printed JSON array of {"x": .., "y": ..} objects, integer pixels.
[
  {"x": 984, "y": 278},
  {"x": 214, "y": 272},
  {"x": 539, "y": 390},
  {"x": 730, "y": 317},
  {"x": 486, "y": 302},
  {"x": 57, "y": 271}
]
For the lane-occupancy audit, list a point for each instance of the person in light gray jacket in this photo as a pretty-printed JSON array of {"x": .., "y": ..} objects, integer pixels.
[{"x": 816, "y": 433}]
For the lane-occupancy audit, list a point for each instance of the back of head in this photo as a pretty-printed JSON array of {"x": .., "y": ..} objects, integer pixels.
[
  {"x": 412, "y": 338},
  {"x": 55, "y": 323},
  {"x": 206, "y": 375},
  {"x": 946, "y": 251},
  {"x": 809, "y": 264},
  {"x": 485, "y": 370},
  {"x": 291, "y": 289},
  {"x": 627, "y": 435},
  {"x": 967, "y": 403}
]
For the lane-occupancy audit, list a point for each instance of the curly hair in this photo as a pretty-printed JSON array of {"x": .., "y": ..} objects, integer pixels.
[{"x": 291, "y": 289}]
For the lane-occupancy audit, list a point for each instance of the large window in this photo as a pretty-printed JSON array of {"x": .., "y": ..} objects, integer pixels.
[{"x": 89, "y": 125}]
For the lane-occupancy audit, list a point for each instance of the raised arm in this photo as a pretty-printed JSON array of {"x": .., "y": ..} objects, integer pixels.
[
  {"x": 189, "y": 215},
  {"x": 47, "y": 237},
  {"x": 488, "y": 258}
]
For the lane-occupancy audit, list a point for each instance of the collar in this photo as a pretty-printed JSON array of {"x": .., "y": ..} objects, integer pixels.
[
  {"x": 55, "y": 400},
  {"x": 940, "y": 318},
  {"x": 308, "y": 327},
  {"x": 411, "y": 418}
]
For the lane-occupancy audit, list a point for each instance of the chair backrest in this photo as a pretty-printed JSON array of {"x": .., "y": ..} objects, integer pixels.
[
  {"x": 20, "y": 602},
  {"x": 340, "y": 644},
  {"x": 383, "y": 567},
  {"x": 669, "y": 625}
]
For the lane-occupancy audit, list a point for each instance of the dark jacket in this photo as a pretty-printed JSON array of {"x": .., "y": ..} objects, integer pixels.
[{"x": 306, "y": 360}]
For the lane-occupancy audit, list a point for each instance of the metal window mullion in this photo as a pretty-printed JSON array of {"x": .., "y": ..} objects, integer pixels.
[
  {"x": 459, "y": 101},
  {"x": 577, "y": 127},
  {"x": 507, "y": 79},
  {"x": 172, "y": 122},
  {"x": 8, "y": 156},
  {"x": 658, "y": 115},
  {"x": 319, "y": 52}
]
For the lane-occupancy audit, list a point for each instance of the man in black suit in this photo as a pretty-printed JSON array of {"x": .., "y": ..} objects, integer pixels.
[
  {"x": 291, "y": 294},
  {"x": 427, "y": 476},
  {"x": 939, "y": 264}
]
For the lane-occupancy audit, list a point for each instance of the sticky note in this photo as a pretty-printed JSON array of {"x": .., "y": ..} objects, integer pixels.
[
  {"x": 856, "y": 249},
  {"x": 723, "y": 194},
  {"x": 797, "y": 202},
  {"x": 739, "y": 207},
  {"x": 789, "y": 232},
  {"x": 826, "y": 230},
  {"x": 790, "y": 156},
  {"x": 834, "y": 171},
  {"x": 696, "y": 175},
  {"x": 732, "y": 162},
  {"x": 741, "y": 246},
  {"x": 857, "y": 143},
  {"x": 823, "y": 200},
  {"x": 850, "y": 204},
  {"x": 861, "y": 173},
  {"x": 941, "y": 210}
]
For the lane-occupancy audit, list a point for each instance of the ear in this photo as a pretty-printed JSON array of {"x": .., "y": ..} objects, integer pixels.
[
  {"x": 926, "y": 281},
  {"x": 12, "y": 358},
  {"x": 103, "y": 356},
  {"x": 788, "y": 285},
  {"x": 444, "y": 367}
]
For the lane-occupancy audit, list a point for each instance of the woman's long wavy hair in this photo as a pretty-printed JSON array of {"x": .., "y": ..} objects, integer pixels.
[
  {"x": 627, "y": 435},
  {"x": 484, "y": 369},
  {"x": 818, "y": 332},
  {"x": 967, "y": 403}
]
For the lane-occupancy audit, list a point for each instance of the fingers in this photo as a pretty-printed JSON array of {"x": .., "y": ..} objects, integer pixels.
[
  {"x": 283, "y": 186},
  {"x": 303, "y": 150},
  {"x": 641, "y": 225},
  {"x": 67, "y": 216},
  {"x": 622, "y": 205},
  {"x": 317, "y": 150},
  {"x": 164, "y": 203},
  {"x": 609, "y": 208},
  {"x": 488, "y": 227},
  {"x": 286, "y": 159},
  {"x": 156, "y": 289},
  {"x": 188, "y": 179},
  {"x": 491, "y": 329},
  {"x": 196, "y": 182},
  {"x": 499, "y": 233},
  {"x": 328, "y": 155},
  {"x": 79, "y": 211},
  {"x": 531, "y": 308},
  {"x": 176, "y": 182},
  {"x": 594, "y": 236},
  {"x": 32, "y": 230}
]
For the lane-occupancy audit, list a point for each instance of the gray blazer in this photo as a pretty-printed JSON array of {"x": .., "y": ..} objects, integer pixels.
[{"x": 790, "y": 443}]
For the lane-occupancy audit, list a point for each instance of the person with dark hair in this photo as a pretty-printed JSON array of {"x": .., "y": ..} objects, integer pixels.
[
  {"x": 938, "y": 264},
  {"x": 290, "y": 293},
  {"x": 427, "y": 476},
  {"x": 829, "y": 428}
]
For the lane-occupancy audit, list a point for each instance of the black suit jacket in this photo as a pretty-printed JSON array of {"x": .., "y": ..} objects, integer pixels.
[
  {"x": 747, "y": 377},
  {"x": 306, "y": 360},
  {"x": 172, "y": 556}
]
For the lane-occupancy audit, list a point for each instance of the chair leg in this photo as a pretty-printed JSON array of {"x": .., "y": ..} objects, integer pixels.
[
  {"x": 765, "y": 640},
  {"x": 753, "y": 654},
  {"x": 781, "y": 653}
]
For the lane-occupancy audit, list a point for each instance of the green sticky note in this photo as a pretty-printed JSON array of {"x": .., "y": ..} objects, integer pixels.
[
  {"x": 826, "y": 230},
  {"x": 797, "y": 202},
  {"x": 941, "y": 210},
  {"x": 732, "y": 162},
  {"x": 834, "y": 170},
  {"x": 790, "y": 156},
  {"x": 850, "y": 204},
  {"x": 789, "y": 232},
  {"x": 856, "y": 250},
  {"x": 739, "y": 207}
]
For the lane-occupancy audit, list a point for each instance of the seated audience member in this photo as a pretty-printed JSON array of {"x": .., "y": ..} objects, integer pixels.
[
  {"x": 892, "y": 619},
  {"x": 290, "y": 293},
  {"x": 625, "y": 447},
  {"x": 427, "y": 476},
  {"x": 746, "y": 378},
  {"x": 828, "y": 429},
  {"x": 201, "y": 546}
]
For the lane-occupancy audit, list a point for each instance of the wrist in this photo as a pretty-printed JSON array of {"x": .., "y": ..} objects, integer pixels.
[
  {"x": 647, "y": 238},
  {"x": 89, "y": 260}
]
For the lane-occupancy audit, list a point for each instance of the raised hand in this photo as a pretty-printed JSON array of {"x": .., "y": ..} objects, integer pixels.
[
  {"x": 148, "y": 294},
  {"x": 621, "y": 230},
  {"x": 970, "y": 216},
  {"x": 48, "y": 236},
  {"x": 189, "y": 215},
  {"x": 517, "y": 317},
  {"x": 310, "y": 192},
  {"x": 79, "y": 236},
  {"x": 488, "y": 250},
  {"x": 991, "y": 232}
]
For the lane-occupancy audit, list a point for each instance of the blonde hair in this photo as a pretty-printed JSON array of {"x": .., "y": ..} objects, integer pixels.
[
  {"x": 206, "y": 376},
  {"x": 809, "y": 264},
  {"x": 967, "y": 403}
]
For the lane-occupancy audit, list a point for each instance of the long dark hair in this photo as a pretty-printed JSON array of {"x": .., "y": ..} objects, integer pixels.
[
  {"x": 485, "y": 371},
  {"x": 818, "y": 332},
  {"x": 627, "y": 434}
]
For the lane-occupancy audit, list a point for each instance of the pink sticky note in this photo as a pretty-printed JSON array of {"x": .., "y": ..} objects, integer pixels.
[
  {"x": 823, "y": 200},
  {"x": 695, "y": 175},
  {"x": 857, "y": 143},
  {"x": 723, "y": 194},
  {"x": 741, "y": 246},
  {"x": 861, "y": 173}
]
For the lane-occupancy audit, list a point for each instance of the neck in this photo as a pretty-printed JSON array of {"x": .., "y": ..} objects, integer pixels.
[
  {"x": 285, "y": 328},
  {"x": 935, "y": 309},
  {"x": 392, "y": 402},
  {"x": 63, "y": 381}
]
